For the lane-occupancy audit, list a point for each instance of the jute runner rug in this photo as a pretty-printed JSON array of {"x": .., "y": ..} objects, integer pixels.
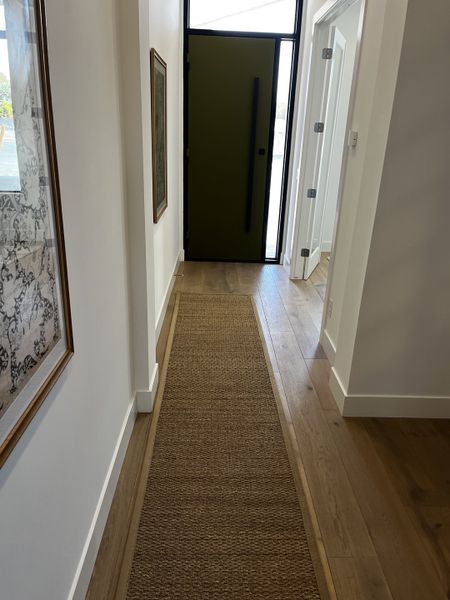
[{"x": 221, "y": 518}]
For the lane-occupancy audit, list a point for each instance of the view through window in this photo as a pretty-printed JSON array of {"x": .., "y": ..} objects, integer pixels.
[
  {"x": 274, "y": 16},
  {"x": 9, "y": 167}
]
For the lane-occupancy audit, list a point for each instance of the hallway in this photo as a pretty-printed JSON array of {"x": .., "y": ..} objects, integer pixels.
[
  {"x": 381, "y": 504},
  {"x": 156, "y": 152}
]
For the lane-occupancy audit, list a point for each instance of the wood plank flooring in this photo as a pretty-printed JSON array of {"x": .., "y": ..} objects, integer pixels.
[{"x": 380, "y": 488}]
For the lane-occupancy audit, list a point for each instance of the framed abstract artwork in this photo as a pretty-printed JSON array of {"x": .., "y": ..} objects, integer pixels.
[
  {"x": 158, "y": 70},
  {"x": 36, "y": 339}
]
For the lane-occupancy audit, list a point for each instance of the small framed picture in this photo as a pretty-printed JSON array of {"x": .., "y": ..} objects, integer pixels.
[
  {"x": 35, "y": 324},
  {"x": 158, "y": 69}
]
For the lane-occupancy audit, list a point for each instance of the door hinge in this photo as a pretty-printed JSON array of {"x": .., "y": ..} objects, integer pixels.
[
  {"x": 352, "y": 138},
  {"x": 305, "y": 253},
  {"x": 327, "y": 53},
  {"x": 319, "y": 127},
  {"x": 312, "y": 193}
]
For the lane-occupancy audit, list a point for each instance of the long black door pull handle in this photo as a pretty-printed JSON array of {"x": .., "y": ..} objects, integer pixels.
[{"x": 251, "y": 156}]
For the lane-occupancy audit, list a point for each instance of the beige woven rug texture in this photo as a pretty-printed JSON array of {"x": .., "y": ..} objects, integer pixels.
[{"x": 221, "y": 518}]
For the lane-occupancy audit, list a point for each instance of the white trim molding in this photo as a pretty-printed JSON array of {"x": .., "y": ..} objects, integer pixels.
[
  {"x": 86, "y": 564},
  {"x": 146, "y": 398},
  {"x": 413, "y": 407},
  {"x": 328, "y": 346},
  {"x": 162, "y": 312}
]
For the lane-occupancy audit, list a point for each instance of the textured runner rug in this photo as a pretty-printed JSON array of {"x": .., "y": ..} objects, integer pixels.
[{"x": 221, "y": 518}]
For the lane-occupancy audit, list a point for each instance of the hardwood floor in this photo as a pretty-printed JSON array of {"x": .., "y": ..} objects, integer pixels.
[{"x": 380, "y": 488}]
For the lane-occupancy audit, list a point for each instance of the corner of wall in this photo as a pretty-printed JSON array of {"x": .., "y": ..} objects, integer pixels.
[
  {"x": 167, "y": 294},
  {"x": 133, "y": 34},
  {"x": 376, "y": 83},
  {"x": 145, "y": 399},
  {"x": 166, "y": 35}
]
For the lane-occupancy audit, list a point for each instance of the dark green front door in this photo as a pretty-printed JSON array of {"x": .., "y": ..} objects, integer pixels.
[{"x": 229, "y": 121}]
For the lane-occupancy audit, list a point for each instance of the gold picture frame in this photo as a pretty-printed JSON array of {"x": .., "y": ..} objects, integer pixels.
[
  {"x": 158, "y": 73},
  {"x": 36, "y": 338}
]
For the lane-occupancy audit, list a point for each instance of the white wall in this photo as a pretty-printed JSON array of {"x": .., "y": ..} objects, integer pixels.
[
  {"x": 165, "y": 28},
  {"x": 347, "y": 24},
  {"x": 402, "y": 344},
  {"x": 51, "y": 484}
]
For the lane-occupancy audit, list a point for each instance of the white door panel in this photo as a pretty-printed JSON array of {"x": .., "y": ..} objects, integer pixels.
[{"x": 330, "y": 92}]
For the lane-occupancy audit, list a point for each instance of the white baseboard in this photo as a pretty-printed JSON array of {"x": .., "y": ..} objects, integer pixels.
[
  {"x": 337, "y": 389},
  {"x": 286, "y": 261},
  {"x": 326, "y": 246},
  {"x": 86, "y": 564},
  {"x": 412, "y": 407},
  {"x": 163, "y": 310},
  {"x": 146, "y": 398},
  {"x": 328, "y": 346}
]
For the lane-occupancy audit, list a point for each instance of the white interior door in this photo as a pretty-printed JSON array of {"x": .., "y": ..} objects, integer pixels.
[
  {"x": 328, "y": 178},
  {"x": 328, "y": 78}
]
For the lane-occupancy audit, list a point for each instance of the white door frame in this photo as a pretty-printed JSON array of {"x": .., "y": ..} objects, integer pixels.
[{"x": 330, "y": 10}]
